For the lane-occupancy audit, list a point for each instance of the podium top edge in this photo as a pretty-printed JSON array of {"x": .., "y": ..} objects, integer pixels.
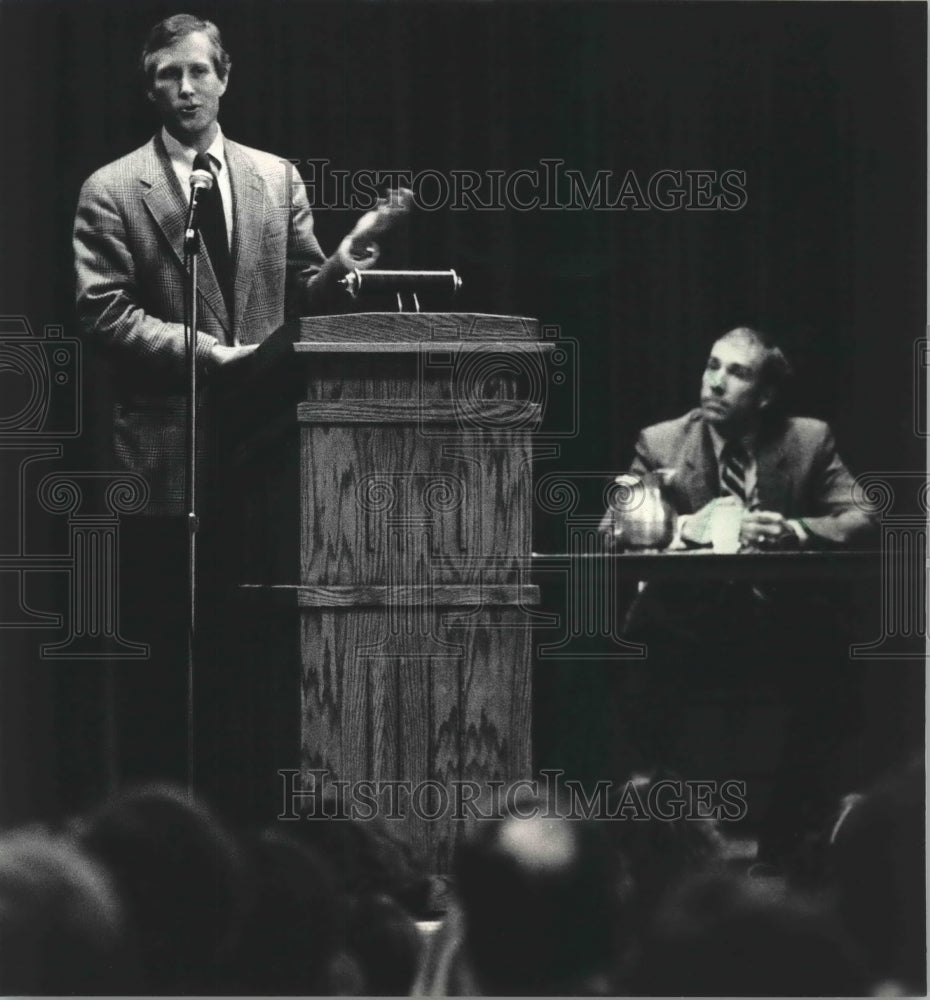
[
  {"x": 524, "y": 346},
  {"x": 417, "y": 327}
]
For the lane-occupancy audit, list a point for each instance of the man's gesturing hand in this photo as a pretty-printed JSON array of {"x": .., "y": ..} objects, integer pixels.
[{"x": 359, "y": 249}]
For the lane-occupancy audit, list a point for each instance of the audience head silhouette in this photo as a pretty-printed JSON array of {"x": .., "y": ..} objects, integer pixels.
[
  {"x": 878, "y": 862},
  {"x": 151, "y": 894},
  {"x": 728, "y": 935},
  {"x": 294, "y": 927},
  {"x": 538, "y": 896},
  {"x": 61, "y": 922},
  {"x": 180, "y": 875}
]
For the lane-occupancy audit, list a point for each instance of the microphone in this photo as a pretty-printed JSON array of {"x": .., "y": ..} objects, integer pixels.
[{"x": 201, "y": 180}]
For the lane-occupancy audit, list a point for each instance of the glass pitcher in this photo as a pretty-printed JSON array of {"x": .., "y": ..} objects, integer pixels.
[{"x": 640, "y": 515}]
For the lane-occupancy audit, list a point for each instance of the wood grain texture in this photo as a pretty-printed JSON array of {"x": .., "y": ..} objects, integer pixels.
[
  {"x": 409, "y": 347},
  {"x": 424, "y": 327},
  {"x": 412, "y": 698},
  {"x": 439, "y": 596},
  {"x": 483, "y": 413},
  {"x": 450, "y": 512},
  {"x": 390, "y": 518},
  {"x": 413, "y": 716}
]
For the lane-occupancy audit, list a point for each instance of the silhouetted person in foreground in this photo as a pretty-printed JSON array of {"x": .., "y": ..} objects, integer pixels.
[
  {"x": 294, "y": 932},
  {"x": 385, "y": 942},
  {"x": 878, "y": 863},
  {"x": 385, "y": 888},
  {"x": 539, "y": 898},
  {"x": 729, "y": 935},
  {"x": 180, "y": 875},
  {"x": 656, "y": 853},
  {"x": 62, "y": 926}
]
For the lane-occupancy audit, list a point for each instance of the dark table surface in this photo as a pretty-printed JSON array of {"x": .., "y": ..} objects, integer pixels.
[{"x": 701, "y": 564}]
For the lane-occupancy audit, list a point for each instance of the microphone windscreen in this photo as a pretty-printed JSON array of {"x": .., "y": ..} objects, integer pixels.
[{"x": 202, "y": 179}]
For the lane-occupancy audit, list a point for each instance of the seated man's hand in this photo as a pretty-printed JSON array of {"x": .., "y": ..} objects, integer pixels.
[
  {"x": 766, "y": 530},
  {"x": 358, "y": 250},
  {"x": 694, "y": 529},
  {"x": 222, "y": 355}
]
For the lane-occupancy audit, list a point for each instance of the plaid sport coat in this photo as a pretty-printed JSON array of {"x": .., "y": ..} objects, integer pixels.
[{"x": 129, "y": 270}]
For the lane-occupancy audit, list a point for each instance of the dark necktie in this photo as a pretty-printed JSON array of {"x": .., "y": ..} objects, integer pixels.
[
  {"x": 733, "y": 463},
  {"x": 213, "y": 231}
]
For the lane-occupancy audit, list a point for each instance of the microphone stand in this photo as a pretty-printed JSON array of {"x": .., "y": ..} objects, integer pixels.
[{"x": 191, "y": 246}]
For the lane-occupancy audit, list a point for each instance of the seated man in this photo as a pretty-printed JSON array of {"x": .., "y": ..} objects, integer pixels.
[
  {"x": 786, "y": 471},
  {"x": 795, "y": 493}
]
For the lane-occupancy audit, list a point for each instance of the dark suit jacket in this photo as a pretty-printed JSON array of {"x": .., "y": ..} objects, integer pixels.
[
  {"x": 129, "y": 268},
  {"x": 800, "y": 474}
]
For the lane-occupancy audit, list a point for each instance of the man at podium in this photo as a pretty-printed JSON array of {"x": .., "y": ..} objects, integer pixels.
[{"x": 259, "y": 263}]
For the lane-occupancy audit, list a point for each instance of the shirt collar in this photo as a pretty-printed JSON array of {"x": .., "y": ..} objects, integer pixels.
[{"x": 179, "y": 153}]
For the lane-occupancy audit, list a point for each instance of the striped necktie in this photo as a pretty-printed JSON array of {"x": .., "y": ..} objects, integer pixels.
[{"x": 733, "y": 463}]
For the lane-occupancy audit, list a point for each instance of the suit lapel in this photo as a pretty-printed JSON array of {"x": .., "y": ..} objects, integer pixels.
[
  {"x": 248, "y": 222},
  {"x": 772, "y": 484},
  {"x": 698, "y": 468},
  {"x": 165, "y": 202}
]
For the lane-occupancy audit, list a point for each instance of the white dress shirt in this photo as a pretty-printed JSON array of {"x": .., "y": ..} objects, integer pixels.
[
  {"x": 182, "y": 160},
  {"x": 751, "y": 483}
]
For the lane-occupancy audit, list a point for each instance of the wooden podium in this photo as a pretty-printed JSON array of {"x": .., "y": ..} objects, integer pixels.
[{"x": 386, "y": 544}]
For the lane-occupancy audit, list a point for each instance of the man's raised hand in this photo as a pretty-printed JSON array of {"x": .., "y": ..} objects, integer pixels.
[{"x": 359, "y": 249}]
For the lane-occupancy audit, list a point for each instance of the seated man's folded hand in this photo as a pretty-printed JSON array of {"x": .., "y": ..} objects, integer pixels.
[
  {"x": 766, "y": 530},
  {"x": 760, "y": 530}
]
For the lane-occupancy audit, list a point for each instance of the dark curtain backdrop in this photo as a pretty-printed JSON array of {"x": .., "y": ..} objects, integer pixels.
[{"x": 822, "y": 105}]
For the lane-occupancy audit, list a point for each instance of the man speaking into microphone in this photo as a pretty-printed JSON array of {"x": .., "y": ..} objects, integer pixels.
[
  {"x": 260, "y": 260},
  {"x": 259, "y": 263}
]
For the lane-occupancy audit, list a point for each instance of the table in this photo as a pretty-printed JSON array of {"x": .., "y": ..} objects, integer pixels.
[{"x": 700, "y": 564}]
